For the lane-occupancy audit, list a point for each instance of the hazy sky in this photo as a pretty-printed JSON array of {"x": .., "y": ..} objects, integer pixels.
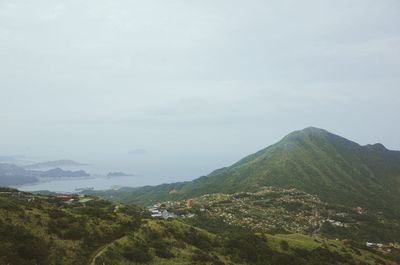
[{"x": 174, "y": 89}]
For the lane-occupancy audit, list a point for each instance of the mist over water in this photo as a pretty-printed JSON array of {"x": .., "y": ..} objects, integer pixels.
[
  {"x": 99, "y": 180},
  {"x": 94, "y": 182},
  {"x": 170, "y": 91}
]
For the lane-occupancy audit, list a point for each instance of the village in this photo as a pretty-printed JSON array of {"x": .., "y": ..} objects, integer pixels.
[
  {"x": 172, "y": 209},
  {"x": 384, "y": 248},
  {"x": 269, "y": 209},
  {"x": 266, "y": 210}
]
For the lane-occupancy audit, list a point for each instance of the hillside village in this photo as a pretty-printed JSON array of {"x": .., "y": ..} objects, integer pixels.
[{"x": 265, "y": 210}]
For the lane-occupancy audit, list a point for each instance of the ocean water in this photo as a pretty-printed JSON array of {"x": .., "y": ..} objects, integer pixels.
[{"x": 93, "y": 182}]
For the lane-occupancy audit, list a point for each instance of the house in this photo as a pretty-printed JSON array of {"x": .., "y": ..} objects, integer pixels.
[
  {"x": 168, "y": 215},
  {"x": 370, "y": 244},
  {"x": 155, "y": 213},
  {"x": 66, "y": 198},
  {"x": 189, "y": 203}
]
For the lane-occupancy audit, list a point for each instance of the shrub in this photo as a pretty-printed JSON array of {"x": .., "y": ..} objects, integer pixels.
[
  {"x": 22, "y": 247},
  {"x": 75, "y": 233},
  {"x": 137, "y": 253},
  {"x": 162, "y": 249},
  {"x": 197, "y": 239},
  {"x": 248, "y": 247},
  {"x": 200, "y": 256},
  {"x": 164, "y": 253},
  {"x": 284, "y": 245}
]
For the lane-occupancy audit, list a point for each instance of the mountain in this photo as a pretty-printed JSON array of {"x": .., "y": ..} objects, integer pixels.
[
  {"x": 118, "y": 174},
  {"x": 59, "y": 173},
  {"x": 12, "y": 175},
  {"x": 18, "y": 160},
  {"x": 313, "y": 160},
  {"x": 52, "y": 164},
  {"x": 80, "y": 230}
]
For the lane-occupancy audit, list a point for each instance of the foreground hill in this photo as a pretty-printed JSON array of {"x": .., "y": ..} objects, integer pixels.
[
  {"x": 71, "y": 229},
  {"x": 40, "y": 229},
  {"x": 313, "y": 160},
  {"x": 176, "y": 243}
]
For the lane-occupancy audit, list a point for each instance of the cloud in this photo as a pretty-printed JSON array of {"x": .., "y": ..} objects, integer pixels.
[{"x": 189, "y": 79}]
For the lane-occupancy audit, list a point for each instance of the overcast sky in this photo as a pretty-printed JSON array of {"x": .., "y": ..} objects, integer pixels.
[{"x": 174, "y": 89}]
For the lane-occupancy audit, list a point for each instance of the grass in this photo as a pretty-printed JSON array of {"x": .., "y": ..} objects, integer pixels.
[{"x": 313, "y": 242}]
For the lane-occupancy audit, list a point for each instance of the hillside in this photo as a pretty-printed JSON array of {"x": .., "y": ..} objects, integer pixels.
[
  {"x": 175, "y": 243},
  {"x": 77, "y": 229},
  {"x": 11, "y": 174},
  {"x": 41, "y": 229},
  {"x": 276, "y": 210},
  {"x": 313, "y": 160}
]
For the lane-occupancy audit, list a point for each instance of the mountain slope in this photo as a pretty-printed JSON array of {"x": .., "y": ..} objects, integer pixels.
[
  {"x": 14, "y": 175},
  {"x": 313, "y": 160},
  {"x": 45, "y": 229},
  {"x": 42, "y": 229}
]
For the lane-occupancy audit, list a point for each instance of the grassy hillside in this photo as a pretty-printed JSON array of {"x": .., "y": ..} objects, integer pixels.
[
  {"x": 172, "y": 242},
  {"x": 59, "y": 230},
  {"x": 313, "y": 160},
  {"x": 39, "y": 229}
]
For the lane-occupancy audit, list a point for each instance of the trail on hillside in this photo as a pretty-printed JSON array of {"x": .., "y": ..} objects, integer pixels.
[{"x": 100, "y": 252}]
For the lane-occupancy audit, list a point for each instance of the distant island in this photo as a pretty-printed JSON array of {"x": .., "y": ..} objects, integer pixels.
[
  {"x": 55, "y": 163},
  {"x": 118, "y": 174},
  {"x": 13, "y": 175},
  {"x": 59, "y": 173}
]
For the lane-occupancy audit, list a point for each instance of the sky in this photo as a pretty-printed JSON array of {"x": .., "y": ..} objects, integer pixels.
[{"x": 173, "y": 89}]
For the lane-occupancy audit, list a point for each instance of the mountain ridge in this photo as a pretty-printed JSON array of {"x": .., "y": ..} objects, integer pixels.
[
  {"x": 54, "y": 163},
  {"x": 314, "y": 160}
]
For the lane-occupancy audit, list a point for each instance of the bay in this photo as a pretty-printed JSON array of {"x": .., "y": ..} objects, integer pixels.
[{"x": 93, "y": 182}]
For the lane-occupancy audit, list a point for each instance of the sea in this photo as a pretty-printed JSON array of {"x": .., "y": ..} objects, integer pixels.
[{"x": 97, "y": 182}]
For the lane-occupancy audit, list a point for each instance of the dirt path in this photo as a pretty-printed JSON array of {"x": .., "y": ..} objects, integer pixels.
[{"x": 98, "y": 254}]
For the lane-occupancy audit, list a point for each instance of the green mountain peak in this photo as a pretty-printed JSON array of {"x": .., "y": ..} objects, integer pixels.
[
  {"x": 311, "y": 134},
  {"x": 312, "y": 160}
]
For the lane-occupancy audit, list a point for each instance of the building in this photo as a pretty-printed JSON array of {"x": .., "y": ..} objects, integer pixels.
[{"x": 189, "y": 203}]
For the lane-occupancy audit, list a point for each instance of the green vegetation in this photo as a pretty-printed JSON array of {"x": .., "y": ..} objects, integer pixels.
[
  {"x": 312, "y": 160},
  {"x": 39, "y": 229},
  {"x": 312, "y": 198},
  {"x": 187, "y": 245},
  {"x": 47, "y": 229},
  {"x": 276, "y": 210}
]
